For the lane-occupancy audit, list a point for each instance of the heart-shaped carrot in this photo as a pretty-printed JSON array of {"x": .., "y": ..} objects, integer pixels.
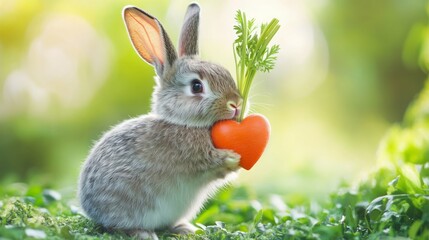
[{"x": 247, "y": 138}]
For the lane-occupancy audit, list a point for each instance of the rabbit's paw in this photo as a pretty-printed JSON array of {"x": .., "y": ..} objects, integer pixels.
[
  {"x": 144, "y": 235},
  {"x": 184, "y": 228},
  {"x": 230, "y": 162}
]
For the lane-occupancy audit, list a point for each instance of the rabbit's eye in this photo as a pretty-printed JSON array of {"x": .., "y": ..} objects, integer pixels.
[{"x": 197, "y": 86}]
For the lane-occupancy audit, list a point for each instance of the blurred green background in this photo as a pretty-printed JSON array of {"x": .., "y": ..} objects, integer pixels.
[{"x": 345, "y": 72}]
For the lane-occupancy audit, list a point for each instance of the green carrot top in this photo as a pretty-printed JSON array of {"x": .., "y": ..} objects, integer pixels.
[{"x": 252, "y": 53}]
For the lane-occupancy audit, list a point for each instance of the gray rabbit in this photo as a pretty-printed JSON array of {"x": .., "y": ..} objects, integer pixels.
[{"x": 155, "y": 171}]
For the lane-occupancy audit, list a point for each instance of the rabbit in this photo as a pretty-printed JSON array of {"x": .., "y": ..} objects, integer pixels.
[{"x": 154, "y": 172}]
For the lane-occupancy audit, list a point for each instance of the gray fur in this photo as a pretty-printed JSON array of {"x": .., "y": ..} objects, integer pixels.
[{"x": 155, "y": 171}]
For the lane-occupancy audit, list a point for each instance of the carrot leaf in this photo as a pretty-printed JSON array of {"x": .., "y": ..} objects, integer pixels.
[{"x": 252, "y": 53}]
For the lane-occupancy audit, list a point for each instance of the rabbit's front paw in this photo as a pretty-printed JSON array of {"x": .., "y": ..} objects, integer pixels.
[{"x": 230, "y": 162}]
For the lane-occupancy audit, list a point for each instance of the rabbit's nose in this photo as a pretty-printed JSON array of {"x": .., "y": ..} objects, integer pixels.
[{"x": 233, "y": 106}]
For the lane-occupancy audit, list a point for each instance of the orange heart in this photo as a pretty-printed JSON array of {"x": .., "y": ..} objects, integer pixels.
[{"x": 247, "y": 138}]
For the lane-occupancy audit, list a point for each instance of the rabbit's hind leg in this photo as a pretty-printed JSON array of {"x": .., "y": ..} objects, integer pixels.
[
  {"x": 143, "y": 234},
  {"x": 183, "y": 228}
]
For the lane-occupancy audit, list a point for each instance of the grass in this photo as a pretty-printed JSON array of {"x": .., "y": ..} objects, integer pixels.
[
  {"x": 392, "y": 202},
  {"x": 233, "y": 215}
]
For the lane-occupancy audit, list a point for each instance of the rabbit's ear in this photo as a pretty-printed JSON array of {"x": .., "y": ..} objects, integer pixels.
[
  {"x": 188, "y": 41},
  {"x": 149, "y": 39}
]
